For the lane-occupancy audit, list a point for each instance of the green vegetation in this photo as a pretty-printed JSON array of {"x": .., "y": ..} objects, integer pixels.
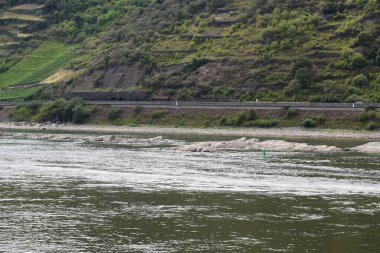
[
  {"x": 17, "y": 24},
  {"x": 291, "y": 112},
  {"x": 76, "y": 111},
  {"x": 368, "y": 115},
  {"x": 371, "y": 126},
  {"x": 239, "y": 119},
  {"x": 247, "y": 119},
  {"x": 313, "y": 122},
  {"x": 158, "y": 114},
  {"x": 137, "y": 109},
  {"x": 38, "y": 65},
  {"x": 19, "y": 94},
  {"x": 360, "y": 81},
  {"x": 208, "y": 119},
  {"x": 53, "y": 112},
  {"x": 251, "y": 52},
  {"x": 114, "y": 113},
  {"x": 267, "y": 123},
  {"x": 318, "y": 51},
  {"x": 24, "y": 112},
  {"x": 309, "y": 123},
  {"x": 59, "y": 111}
]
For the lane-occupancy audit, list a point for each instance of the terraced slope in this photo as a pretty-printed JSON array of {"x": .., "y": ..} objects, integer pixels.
[
  {"x": 269, "y": 50},
  {"x": 19, "y": 94},
  {"x": 38, "y": 65},
  {"x": 15, "y": 21},
  {"x": 289, "y": 50}
]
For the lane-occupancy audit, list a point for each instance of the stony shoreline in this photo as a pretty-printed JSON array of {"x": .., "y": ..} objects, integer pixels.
[
  {"x": 119, "y": 135},
  {"x": 292, "y": 132}
]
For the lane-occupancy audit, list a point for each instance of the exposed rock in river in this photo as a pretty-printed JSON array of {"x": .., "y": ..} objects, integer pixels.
[
  {"x": 105, "y": 139},
  {"x": 372, "y": 147},
  {"x": 255, "y": 144},
  {"x": 210, "y": 146}
]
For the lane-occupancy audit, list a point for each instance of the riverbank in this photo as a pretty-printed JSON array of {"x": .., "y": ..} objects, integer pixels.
[
  {"x": 190, "y": 118},
  {"x": 291, "y": 132}
]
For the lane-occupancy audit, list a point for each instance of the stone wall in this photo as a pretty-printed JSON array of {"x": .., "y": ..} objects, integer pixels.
[{"x": 138, "y": 95}]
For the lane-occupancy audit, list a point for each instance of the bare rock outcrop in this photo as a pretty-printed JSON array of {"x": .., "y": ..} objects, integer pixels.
[
  {"x": 104, "y": 139},
  {"x": 255, "y": 144},
  {"x": 372, "y": 147}
]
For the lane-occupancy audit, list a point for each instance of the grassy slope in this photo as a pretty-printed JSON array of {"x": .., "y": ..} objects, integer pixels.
[
  {"x": 18, "y": 94},
  {"x": 38, "y": 65}
]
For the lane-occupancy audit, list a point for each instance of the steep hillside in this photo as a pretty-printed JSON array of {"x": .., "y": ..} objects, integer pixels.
[
  {"x": 18, "y": 23},
  {"x": 38, "y": 65},
  {"x": 290, "y": 50}
]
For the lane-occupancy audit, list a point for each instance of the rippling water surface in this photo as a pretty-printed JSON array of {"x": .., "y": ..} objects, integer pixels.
[{"x": 72, "y": 197}]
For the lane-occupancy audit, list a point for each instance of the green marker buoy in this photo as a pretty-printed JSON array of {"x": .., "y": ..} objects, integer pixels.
[{"x": 264, "y": 154}]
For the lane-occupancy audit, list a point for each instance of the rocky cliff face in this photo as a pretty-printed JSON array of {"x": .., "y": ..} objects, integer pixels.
[{"x": 118, "y": 77}]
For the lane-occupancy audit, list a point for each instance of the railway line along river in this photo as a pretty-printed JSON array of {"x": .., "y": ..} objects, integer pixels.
[{"x": 58, "y": 196}]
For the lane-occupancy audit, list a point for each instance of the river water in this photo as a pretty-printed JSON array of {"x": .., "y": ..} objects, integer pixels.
[{"x": 75, "y": 197}]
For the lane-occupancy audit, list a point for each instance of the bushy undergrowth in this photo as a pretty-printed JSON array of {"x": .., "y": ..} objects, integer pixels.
[
  {"x": 291, "y": 112},
  {"x": 239, "y": 119},
  {"x": 309, "y": 123},
  {"x": 247, "y": 119},
  {"x": 137, "y": 109},
  {"x": 114, "y": 113},
  {"x": 75, "y": 111},
  {"x": 368, "y": 116},
  {"x": 24, "y": 112},
  {"x": 266, "y": 123},
  {"x": 158, "y": 114},
  {"x": 59, "y": 111},
  {"x": 371, "y": 126}
]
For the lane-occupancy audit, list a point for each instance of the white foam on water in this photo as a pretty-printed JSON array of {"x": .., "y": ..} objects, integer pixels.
[
  {"x": 164, "y": 169},
  {"x": 53, "y": 215}
]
